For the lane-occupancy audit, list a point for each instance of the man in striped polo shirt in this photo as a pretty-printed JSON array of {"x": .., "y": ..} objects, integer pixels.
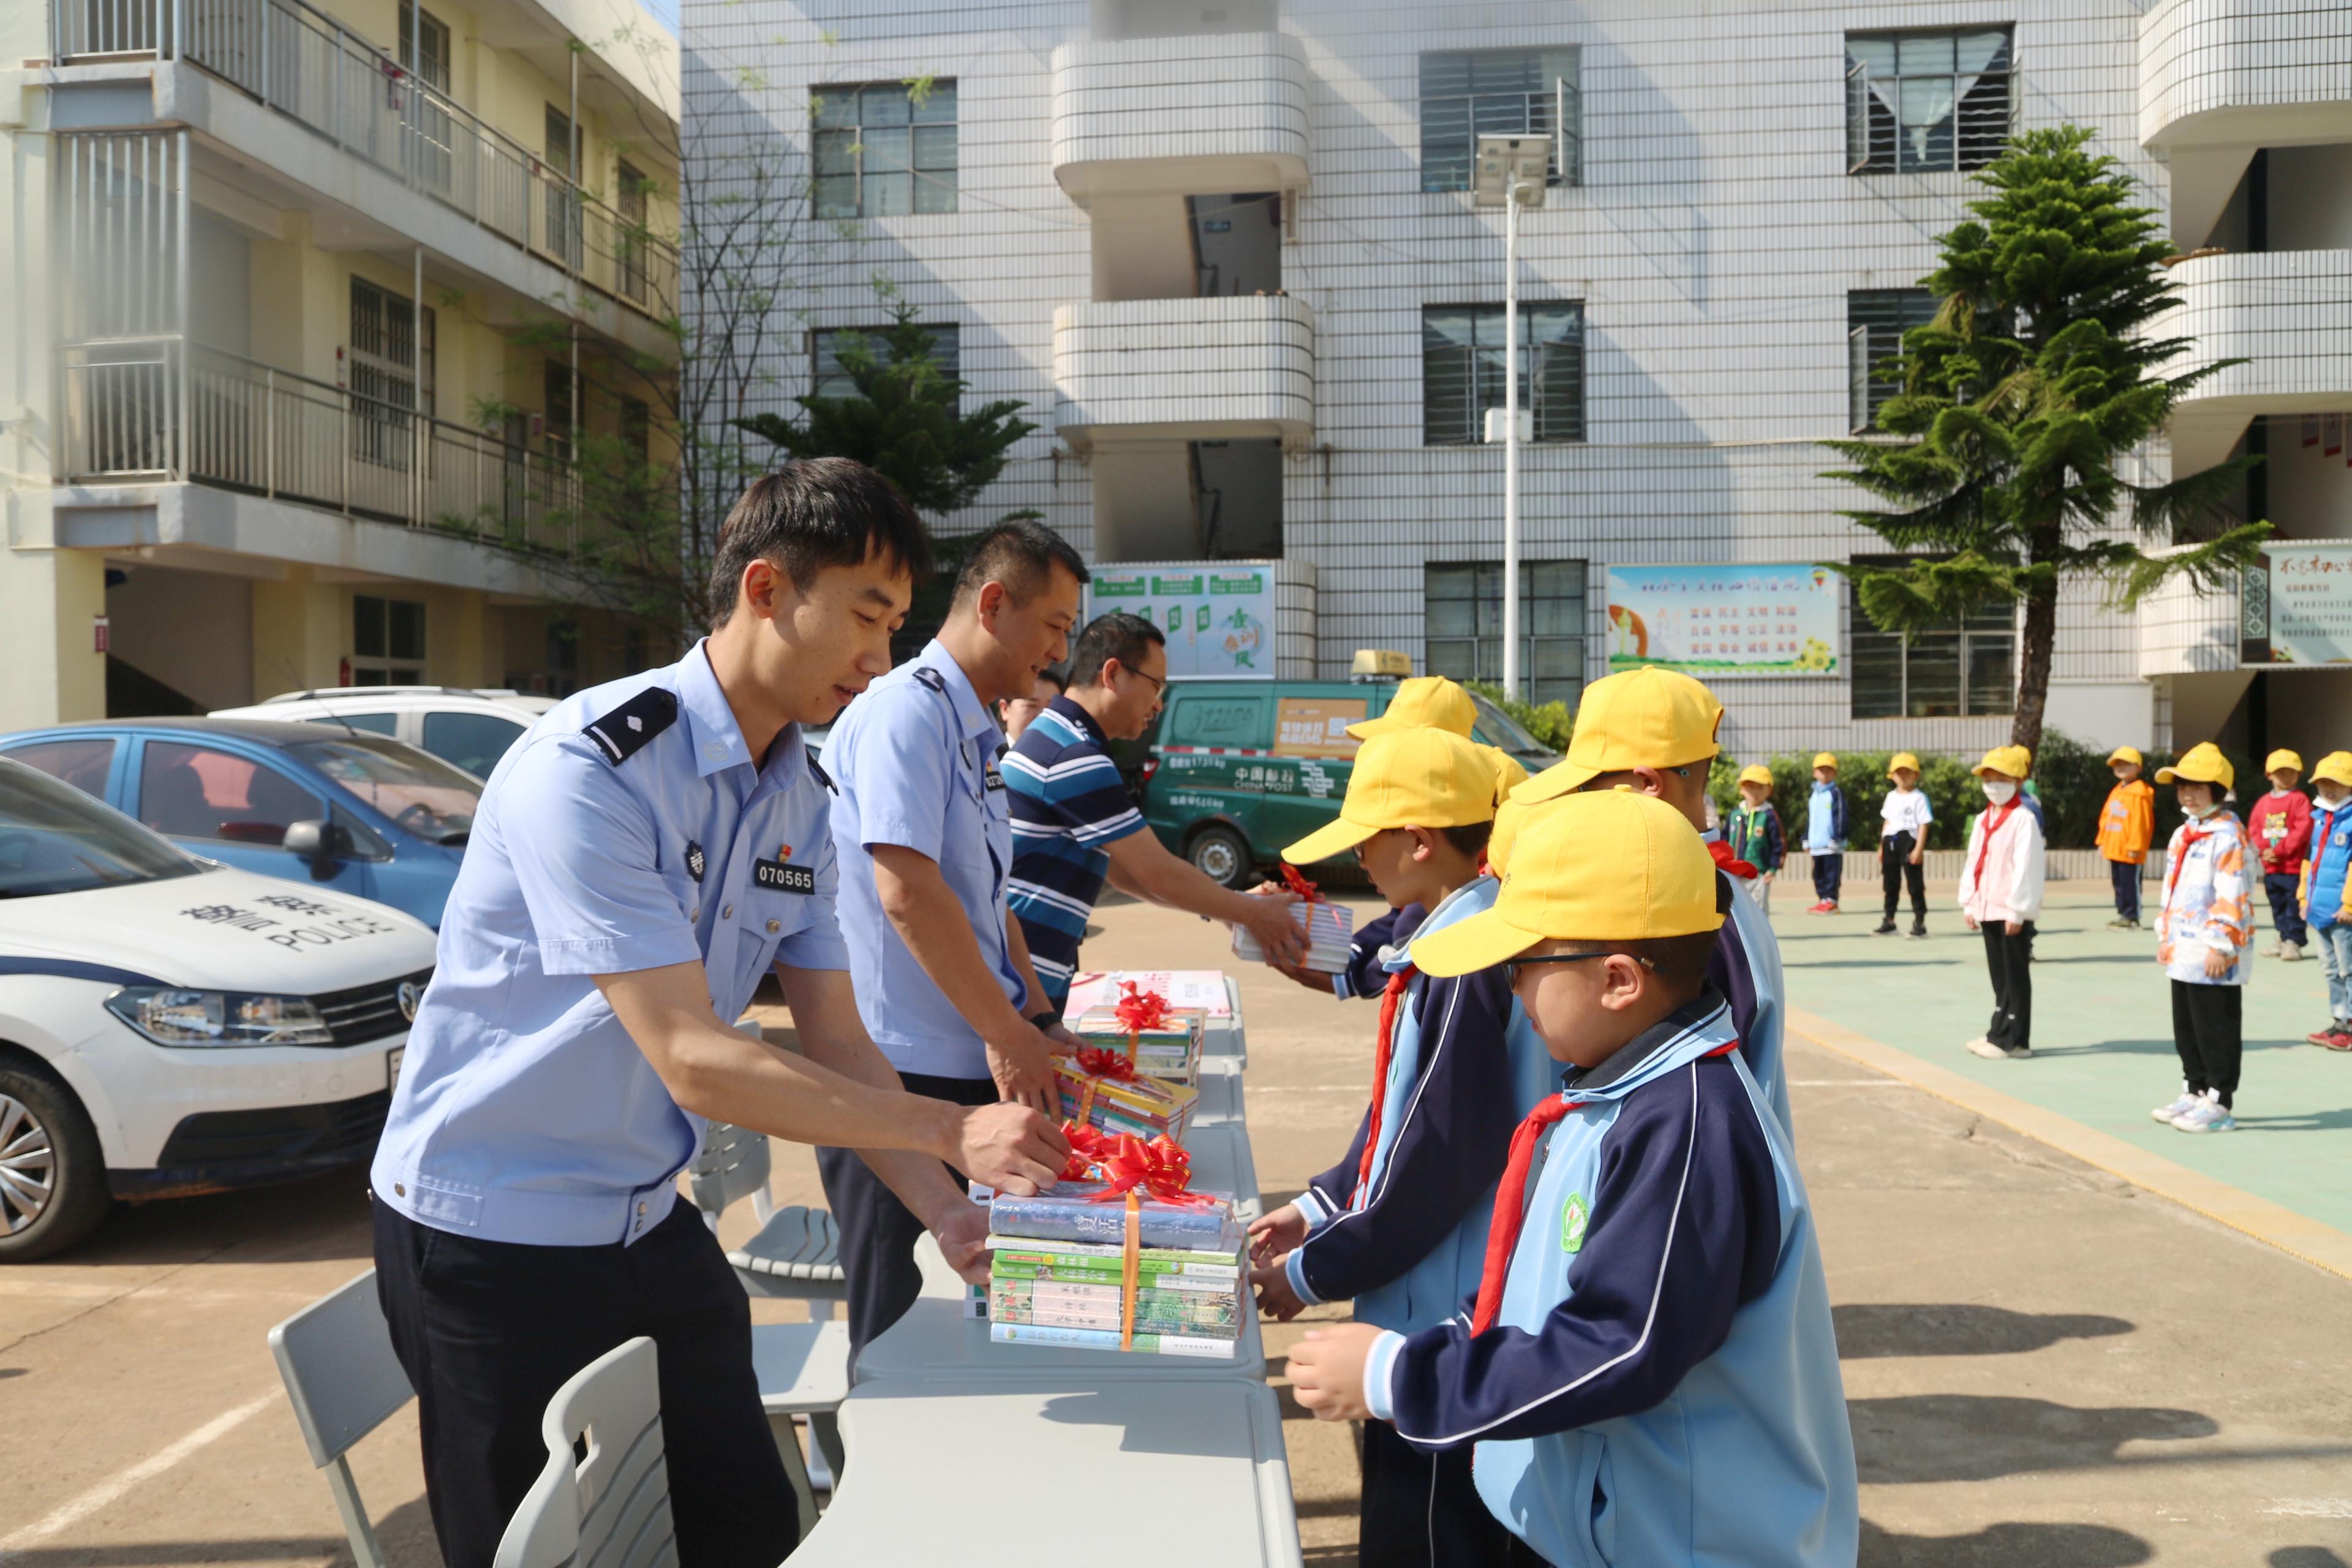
[{"x": 1073, "y": 822}]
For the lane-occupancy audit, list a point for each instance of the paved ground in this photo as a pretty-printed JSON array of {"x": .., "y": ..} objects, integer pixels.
[{"x": 2046, "y": 1366}]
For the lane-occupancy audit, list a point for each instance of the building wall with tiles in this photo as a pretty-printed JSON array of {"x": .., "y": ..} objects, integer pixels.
[{"x": 1712, "y": 242}]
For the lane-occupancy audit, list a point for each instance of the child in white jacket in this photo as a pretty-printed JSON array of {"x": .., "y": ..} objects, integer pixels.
[{"x": 2001, "y": 877}]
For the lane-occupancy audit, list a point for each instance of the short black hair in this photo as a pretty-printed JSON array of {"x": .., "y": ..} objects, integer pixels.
[
  {"x": 812, "y": 515},
  {"x": 1122, "y": 635},
  {"x": 1679, "y": 961},
  {"x": 1020, "y": 553},
  {"x": 1470, "y": 838},
  {"x": 1053, "y": 676}
]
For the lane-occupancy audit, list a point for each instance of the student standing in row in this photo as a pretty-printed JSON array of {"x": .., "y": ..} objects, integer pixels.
[
  {"x": 2002, "y": 873},
  {"x": 1754, "y": 831},
  {"x": 2322, "y": 909},
  {"x": 2280, "y": 828},
  {"x": 2127, "y": 827},
  {"x": 1825, "y": 830},
  {"x": 2205, "y": 940},
  {"x": 1903, "y": 816}
]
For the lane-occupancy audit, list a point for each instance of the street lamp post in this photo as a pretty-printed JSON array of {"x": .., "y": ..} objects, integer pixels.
[{"x": 1510, "y": 172}]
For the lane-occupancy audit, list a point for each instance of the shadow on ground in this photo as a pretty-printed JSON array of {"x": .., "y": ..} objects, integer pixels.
[
  {"x": 1873, "y": 1330},
  {"x": 300, "y": 1222},
  {"x": 1928, "y": 1437},
  {"x": 2007, "y": 1546},
  {"x": 405, "y": 1533}
]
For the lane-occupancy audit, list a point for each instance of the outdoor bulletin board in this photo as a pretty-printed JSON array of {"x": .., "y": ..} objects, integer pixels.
[
  {"x": 1769, "y": 619},
  {"x": 1219, "y": 621},
  {"x": 2294, "y": 606}
]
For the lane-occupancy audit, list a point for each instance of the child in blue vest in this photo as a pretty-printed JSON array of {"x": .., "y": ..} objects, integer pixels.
[
  {"x": 1647, "y": 1371},
  {"x": 2323, "y": 890},
  {"x": 1399, "y": 1225}
]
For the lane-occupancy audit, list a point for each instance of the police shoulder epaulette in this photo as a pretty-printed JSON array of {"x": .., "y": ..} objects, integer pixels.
[
  {"x": 624, "y": 732},
  {"x": 822, "y": 776},
  {"x": 932, "y": 678}
]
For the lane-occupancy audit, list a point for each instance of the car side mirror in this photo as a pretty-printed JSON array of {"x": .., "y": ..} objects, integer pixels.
[{"x": 319, "y": 843}]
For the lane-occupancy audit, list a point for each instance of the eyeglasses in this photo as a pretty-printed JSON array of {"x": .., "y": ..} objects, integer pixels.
[
  {"x": 1511, "y": 967},
  {"x": 1159, "y": 683}
]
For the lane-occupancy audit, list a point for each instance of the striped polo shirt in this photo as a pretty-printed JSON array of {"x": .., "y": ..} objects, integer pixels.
[{"x": 1068, "y": 801}]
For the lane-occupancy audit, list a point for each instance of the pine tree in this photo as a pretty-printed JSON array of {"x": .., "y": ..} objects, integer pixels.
[{"x": 2022, "y": 402}]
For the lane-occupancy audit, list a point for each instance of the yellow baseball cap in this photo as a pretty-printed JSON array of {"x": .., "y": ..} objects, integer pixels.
[
  {"x": 2335, "y": 767},
  {"x": 2015, "y": 761},
  {"x": 1509, "y": 817},
  {"x": 1757, "y": 772},
  {"x": 2282, "y": 758},
  {"x": 1901, "y": 760},
  {"x": 1612, "y": 866},
  {"x": 1647, "y": 717},
  {"x": 2126, "y": 754},
  {"x": 2201, "y": 763},
  {"x": 1406, "y": 778},
  {"x": 1424, "y": 702},
  {"x": 1825, "y": 760},
  {"x": 1508, "y": 775}
]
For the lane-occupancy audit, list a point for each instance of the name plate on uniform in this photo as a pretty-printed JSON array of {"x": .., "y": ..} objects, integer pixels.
[{"x": 785, "y": 877}]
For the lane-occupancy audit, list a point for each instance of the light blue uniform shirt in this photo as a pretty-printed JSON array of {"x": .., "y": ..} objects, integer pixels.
[
  {"x": 631, "y": 830},
  {"x": 915, "y": 758}
]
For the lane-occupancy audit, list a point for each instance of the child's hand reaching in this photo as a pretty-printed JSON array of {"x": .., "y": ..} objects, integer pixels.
[
  {"x": 1273, "y": 1234},
  {"x": 1275, "y": 1297},
  {"x": 1327, "y": 1371}
]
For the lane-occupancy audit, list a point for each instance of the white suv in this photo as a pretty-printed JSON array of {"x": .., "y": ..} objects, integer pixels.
[{"x": 469, "y": 728}]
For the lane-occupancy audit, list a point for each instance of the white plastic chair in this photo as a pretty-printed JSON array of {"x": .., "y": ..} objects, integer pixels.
[
  {"x": 611, "y": 1508},
  {"x": 343, "y": 1380}
]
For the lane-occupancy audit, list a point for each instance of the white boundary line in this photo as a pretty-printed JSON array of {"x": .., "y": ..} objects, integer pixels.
[{"x": 67, "y": 1514}]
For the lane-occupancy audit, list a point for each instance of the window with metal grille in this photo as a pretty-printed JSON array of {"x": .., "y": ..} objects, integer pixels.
[
  {"x": 1875, "y": 320},
  {"x": 387, "y": 641},
  {"x": 425, "y": 46},
  {"x": 1962, "y": 669},
  {"x": 884, "y": 149},
  {"x": 829, "y": 378},
  {"x": 1462, "y": 634},
  {"x": 1461, "y": 363},
  {"x": 1928, "y": 100},
  {"x": 1467, "y": 94},
  {"x": 383, "y": 370}
]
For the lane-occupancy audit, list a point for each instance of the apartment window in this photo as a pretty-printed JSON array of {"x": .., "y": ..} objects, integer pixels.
[
  {"x": 383, "y": 369},
  {"x": 632, "y": 185},
  {"x": 1461, "y": 363},
  {"x": 1927, "y": 100},
  {"x": 1875, "y": 320},
  {"x": 884, "y": 149},
  {"x": 555, "y": 386},
  {"x": 829, "y": 378},
  {"x": 387, "y": 641},
  {"x": 560, "y": 198},
  {"x": 1463, "y": 630},
  {"x": 1963, "y": 668},
  {"x": 1499, "y": 92},
  {"x": 425, "y": 46}
]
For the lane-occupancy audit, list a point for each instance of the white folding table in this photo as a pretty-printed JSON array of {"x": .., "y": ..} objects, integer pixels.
[
  {"x": 967, "y": 1472},
  {"x": 1221, "y": 1092}
]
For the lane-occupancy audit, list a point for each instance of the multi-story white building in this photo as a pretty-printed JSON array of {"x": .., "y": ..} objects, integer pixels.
[
  {"x": 307, "y": 307},
  {"x": 1226, "y": 254}
]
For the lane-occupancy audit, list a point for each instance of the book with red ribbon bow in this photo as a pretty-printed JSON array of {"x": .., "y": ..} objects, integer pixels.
[
  {"x": 1156, "y": 1039},
  {"x": 1329, "y": 928}
]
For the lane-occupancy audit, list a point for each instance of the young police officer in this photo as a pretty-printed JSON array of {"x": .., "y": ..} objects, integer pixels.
[{"x": 639, "y": 860}]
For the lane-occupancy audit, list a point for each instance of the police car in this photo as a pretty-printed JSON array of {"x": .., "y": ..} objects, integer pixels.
[{"x": 169, "y": 1025}]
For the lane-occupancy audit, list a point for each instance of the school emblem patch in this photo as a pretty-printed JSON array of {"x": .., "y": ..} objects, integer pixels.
[{"x": 1573, "y": 1215}]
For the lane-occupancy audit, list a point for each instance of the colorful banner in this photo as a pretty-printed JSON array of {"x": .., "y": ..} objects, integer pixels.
[
  {"x": 1772, "y": 619},
  {"x": 1219, "y": 617},
  {"x": 2294, "y": 605}
]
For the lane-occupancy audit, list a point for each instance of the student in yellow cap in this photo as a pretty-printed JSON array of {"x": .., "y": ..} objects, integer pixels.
[
  {"x": 1654, "y": 730},
  {"x": 2279, "y": 826},
  {"x": 2002, "y": 874},
  {"x": 2127, "y": 827},
  {"x": 2205, "y": 940},
  {"x": 2323, "y": 909},
  {"x": 1399, "y": 1225},
  {"x": 1754, "y": 831},
  {"x": 1825, "y": 830},
  {"x": 1903, "y": 820},
  {"x": 1652, "y": 1301}
]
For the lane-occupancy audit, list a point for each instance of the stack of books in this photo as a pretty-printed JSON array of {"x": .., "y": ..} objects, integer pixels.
[
  {"x": 1330, "y": 931},
  {"x": 1171, "y": 1050},
  {"x": 1142, "y": 1105},
  {"x": 1068, "y": 1285},
  {"x": 1201, "y": 991}
]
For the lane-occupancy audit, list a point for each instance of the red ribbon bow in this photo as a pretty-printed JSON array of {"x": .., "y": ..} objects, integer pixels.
[
  {"x": 1127, "y": 1165},
  {"x": 1139, "y": 1010},
  {"x": 1298, "y": 883},
  {"x": 1101, "y": 1062}
]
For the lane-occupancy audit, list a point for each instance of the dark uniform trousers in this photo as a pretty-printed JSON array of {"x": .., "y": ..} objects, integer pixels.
[
  {"x": 1420, "y": 1510},
  {"x": 878, "y": 1232},
  {"x": 490, "y": 1329}
]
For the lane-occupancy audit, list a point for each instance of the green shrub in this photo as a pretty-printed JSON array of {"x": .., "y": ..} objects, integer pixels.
[{"x": 1551, "y": 723}]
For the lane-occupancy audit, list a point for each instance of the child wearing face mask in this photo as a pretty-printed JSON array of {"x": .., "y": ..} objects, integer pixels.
[
  {"x": 2322, "y": 902},
  {"x": 2127, "y": 827},
  {"x": 2205, "y": 940},
  {"x": 2001, "y": 877}
]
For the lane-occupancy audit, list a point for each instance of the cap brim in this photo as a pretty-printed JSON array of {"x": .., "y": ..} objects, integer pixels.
[
  {"x": 1336, "y": 836},
  {"x": 1371, "y": 727},
  {"x": 1468, "y": 946},
  {"x": 1560, "y": 779}
]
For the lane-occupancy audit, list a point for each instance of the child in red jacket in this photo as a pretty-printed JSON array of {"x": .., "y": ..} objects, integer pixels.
[{"x": 2279, "y": 826}]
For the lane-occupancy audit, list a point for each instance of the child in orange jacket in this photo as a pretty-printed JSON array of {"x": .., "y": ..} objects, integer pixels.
[{"x": 2126, "y": 826}]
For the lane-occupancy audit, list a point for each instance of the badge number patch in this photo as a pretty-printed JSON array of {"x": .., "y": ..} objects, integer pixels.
[
  {"x": 994, "y": 777},
  {"x": 1573, "y": 1215},
  {"x": 695, "y": 861},
  {"x": 785, "y": 877}
]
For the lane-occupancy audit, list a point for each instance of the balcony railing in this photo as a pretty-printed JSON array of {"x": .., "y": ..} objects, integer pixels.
[
  {"x": 153, "y": 409},
  {"x": 306, "y": 65}
]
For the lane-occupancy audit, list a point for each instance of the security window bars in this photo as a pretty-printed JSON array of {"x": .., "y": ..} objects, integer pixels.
[
  {"x": 1963, "y": 668},
  {"x": 884, "y": 149},
  {"x": 1928, "y": 100},
  {"x": 1461, "y": 363},
  {"x": 425, "y": 46},
  {"x": 830, "y": 378},
  {"x": 1875, "y": 320},
  {"x": 383, "y": 375},
  {"x": 1463, "y": 630},
  {"x": 1499, "y": 92}
]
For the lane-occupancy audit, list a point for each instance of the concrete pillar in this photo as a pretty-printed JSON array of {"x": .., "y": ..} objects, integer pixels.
[
  {"x": 49, "y": 601},
  {"x": 301, "y": 633}
]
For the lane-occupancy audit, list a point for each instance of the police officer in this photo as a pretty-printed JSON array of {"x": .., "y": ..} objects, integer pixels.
[
  {"x": 924, "y": 833},
  {"x": 639, "y": 860}
]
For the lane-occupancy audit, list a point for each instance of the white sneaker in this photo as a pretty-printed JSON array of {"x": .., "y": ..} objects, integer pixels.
[
  {"x": 2272, "y": 951},
  {"x": 1992, "y": 1053},
  {"x": 2289, "y": 951},
  {"x": 2207, "y": 1115},
  {"x": 2180, "y": 1107}
]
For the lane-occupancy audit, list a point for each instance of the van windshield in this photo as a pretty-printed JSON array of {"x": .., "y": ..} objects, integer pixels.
[
  {"x": 56, "y": 840},
  {"x": 1496, "y": 728}
]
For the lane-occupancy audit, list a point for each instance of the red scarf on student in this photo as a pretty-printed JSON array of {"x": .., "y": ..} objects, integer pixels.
[
  {"x": 1392, "y": 998},
  {"x": 1994, "y": 818}
]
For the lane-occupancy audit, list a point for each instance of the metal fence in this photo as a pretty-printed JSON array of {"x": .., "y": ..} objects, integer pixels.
[{"x": 304, "y": 64}]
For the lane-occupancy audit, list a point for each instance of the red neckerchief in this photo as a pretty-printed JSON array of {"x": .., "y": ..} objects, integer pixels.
[
  {"x": 2189, "y": 839},
  {"x": 1392, "y": 998},
  {"x": 1994, "y": 820},
  {"x": 1727, "y": 861}
]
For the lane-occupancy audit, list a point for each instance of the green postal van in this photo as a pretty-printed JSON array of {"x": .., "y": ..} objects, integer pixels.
[{"x": 1233, "y": 770}]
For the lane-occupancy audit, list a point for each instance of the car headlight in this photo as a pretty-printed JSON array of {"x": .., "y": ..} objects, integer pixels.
[{"x": 170, "y": 1017}]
